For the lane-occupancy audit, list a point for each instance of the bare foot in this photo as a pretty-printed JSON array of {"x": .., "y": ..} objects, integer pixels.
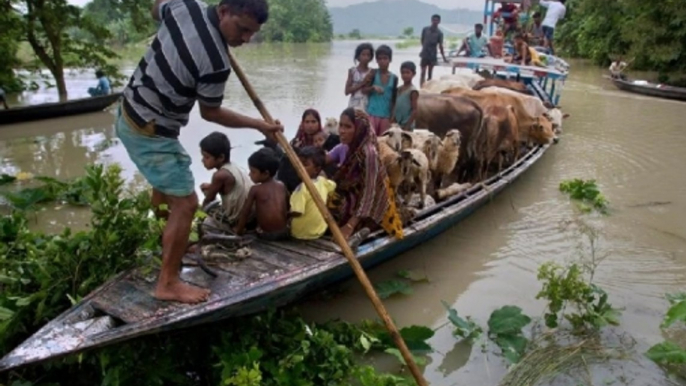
[{"x": 181, "y": 292}]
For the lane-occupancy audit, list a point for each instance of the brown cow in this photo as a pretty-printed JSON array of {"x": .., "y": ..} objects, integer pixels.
[
  {"x": 536, "y": 129},
  {"x": 508, "y": 84},
  {"x": 497, "y": 139},
  {"x": 442, "y": 113}
]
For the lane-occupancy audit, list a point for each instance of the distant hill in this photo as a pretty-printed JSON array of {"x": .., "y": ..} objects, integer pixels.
[{"x": 390, "y": 17}]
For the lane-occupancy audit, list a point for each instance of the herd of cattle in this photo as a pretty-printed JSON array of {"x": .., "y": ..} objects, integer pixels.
[{"x": 470, "y": 126}]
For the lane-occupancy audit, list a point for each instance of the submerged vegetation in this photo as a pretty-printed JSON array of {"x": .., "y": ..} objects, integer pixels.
[{"x": 41, "y": 275}]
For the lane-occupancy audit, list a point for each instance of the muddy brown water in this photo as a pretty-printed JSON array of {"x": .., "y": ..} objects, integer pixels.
[{"x": 632, "y": 145}]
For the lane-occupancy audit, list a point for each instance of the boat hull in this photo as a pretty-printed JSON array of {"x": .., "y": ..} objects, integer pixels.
[
  {"x": 57, "y": 109},
  {"x": 651, "y": 89},
  {"x": 101, "y": 320}
]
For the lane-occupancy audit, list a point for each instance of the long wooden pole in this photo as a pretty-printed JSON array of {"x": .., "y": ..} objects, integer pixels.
[{"x": 337, "y": 235}]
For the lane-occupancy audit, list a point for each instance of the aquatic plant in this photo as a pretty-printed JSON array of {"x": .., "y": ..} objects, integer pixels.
[
  {"x": 668, "y": 353},
  {"x": 587, "y": 193}
]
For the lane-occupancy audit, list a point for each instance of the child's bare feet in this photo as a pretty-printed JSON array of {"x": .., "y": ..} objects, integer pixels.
[{"x": 181, "y": 292}]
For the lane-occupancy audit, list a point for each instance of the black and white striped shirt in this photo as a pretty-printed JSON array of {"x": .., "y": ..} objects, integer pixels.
[{"x": 187, "y": 61}]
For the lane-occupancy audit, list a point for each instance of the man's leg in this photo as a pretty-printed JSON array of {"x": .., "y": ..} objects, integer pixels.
[
  {"x": 159, "y": 199},
  {"x": 422, "y": 77},
  {"x": 431, "y": 71},
  {"x": 174, "y": 244}
]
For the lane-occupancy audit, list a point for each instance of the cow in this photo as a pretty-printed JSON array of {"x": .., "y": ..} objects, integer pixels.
[
  {"x": 502, "y": 83},
  {"x": 536, "y": 129},
  {"x": 498, "y": 138},
  {"x": 442, "y": 113}
]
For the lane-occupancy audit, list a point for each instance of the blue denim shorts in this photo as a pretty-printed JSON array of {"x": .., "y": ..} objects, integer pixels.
[
  {"x": 163, "y": 162},
  {"x": 548, "y": 32}
]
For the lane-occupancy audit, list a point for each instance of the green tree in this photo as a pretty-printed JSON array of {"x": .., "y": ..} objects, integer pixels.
[
  {"x": 9, "y": 45},
  {"x": 409, "y": 31},
  {"x": 127, "y": 22},
  {"x": 355, "y": 34},
  {"x": 47, "y": 25},
  {"x": 288, "y": 23}
]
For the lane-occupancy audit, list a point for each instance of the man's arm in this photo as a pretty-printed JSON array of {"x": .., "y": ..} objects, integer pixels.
[
  {"x": 232, "y": 119},
  {"x": 219, "y": 180},
  {"x": 245, "y": 212},
  {"x": 156, "y": 7},
  {"x": 440, "y": 46}
]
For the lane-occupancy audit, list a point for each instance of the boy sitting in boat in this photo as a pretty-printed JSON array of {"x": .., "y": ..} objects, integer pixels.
[
  {"x": 103, "y": 87},
  {"x": 307, "y": 222},
  {"x": 230, "y": 181},
  {"x": 268, "y": 197}
]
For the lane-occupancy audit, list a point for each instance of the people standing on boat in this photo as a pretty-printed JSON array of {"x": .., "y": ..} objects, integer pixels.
[
  {"x": 229, "y": 181},
  {"x": 555, "y": 11},
  {"x": 267, "y": 198},
  {"x": 103, "y": 87},
  {"x": 383, "y": 92},
  {"x": 363, "y": 196},
  {"x": 358, "y": 80},
  {"x": 508, "y": 13},
  {"x": 3, "y": 98},
  {"x": 534, "y": 32},
  {"x": 406, "y": 104},
  {"x": 307, "y": 222},
  {"x": 186, "y": 62},
  {"x": 475, "y": 43},
  {"x": 616, "y": 68},
  {"x": 432, "y": 37}
]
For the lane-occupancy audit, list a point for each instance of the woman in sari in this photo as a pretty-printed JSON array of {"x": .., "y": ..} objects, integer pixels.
[{"x": 363, "y": 196}]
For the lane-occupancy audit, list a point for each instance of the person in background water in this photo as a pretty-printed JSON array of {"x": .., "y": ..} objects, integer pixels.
[
  {"x": 363, "y": 198},
  {"x": 617, "y": 67},
  {"x": 431, "y": 37},
  {"x": 2, "y": 98},
  {"x": 267, "y": 198},
  {"x": 230, "y": 181},
  {"x": 383, "y": 92},
  {"x": 475, "y": 43},
  {"x": 192, "y": 40},
  {"x": 357, "y": 84},
  {"x": 535, "y": 31},
  {"x": 555, "y": 11},
  {"x": 406, "y": 103},
  {"x": 103, "y": 87},
  {"x": 307, "y": 222}
]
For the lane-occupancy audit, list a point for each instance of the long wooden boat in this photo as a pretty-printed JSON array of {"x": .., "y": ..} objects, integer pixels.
[
  {"x": 57, "y": 109},
  {"x": 651, "y": 89},
  {"x": 275, "y": 274}
]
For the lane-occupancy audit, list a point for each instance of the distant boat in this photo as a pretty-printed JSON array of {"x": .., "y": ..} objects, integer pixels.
[
  {"x": 57, "y": 109},
  {"x": 651, "y": 89}
]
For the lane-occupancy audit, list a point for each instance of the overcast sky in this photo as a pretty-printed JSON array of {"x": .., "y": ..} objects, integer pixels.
[{"x": 448, "y": 4}]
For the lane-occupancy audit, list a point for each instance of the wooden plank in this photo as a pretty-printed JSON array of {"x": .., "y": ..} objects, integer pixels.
[
  {"x": 284, "y": 258},
  {"x": 301, "y": 248},
  {"x": 131, "y": 301}
]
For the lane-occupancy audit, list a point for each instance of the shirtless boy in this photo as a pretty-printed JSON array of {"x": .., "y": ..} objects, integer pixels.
[{"x": 268, "y": 196}]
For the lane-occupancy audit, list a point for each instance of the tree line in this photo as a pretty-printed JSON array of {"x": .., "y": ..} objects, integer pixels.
[
  {"x": 652, "y": 33},
  {"x": 62, "y": 35}
]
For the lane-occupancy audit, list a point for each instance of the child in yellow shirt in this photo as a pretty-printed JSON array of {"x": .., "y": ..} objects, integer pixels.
[{"x": 307, "y": 222}]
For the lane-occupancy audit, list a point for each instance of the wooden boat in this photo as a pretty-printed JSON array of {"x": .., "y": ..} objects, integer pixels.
[
  {"x": 651, "y": 89},
  {"x": 275, "y": 274},
  {"x": 57, "y": 109}
]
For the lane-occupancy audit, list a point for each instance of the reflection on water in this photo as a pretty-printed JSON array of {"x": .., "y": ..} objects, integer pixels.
[{"x": 632, "y": 145}]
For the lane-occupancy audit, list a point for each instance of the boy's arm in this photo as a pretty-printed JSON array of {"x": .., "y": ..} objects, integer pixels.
[
  {"x": 414, "y": 97},
  {"x": 220, "y": 180},
  {"x": 395, "y": 93},
  {"x": 245, "y": 212}
]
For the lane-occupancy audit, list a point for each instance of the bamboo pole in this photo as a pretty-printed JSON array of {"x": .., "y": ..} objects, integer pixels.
[{"x": 337, "y": 235}]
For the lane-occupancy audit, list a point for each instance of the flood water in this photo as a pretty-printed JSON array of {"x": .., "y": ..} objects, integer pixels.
[{"x": 632, "y": 145}]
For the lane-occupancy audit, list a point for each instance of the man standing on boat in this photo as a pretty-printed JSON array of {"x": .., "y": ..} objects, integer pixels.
[
  {"x": 187, "y": 62},
  {"x": 431, "y": 37},
  {"x": 555, "y": 11}
]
